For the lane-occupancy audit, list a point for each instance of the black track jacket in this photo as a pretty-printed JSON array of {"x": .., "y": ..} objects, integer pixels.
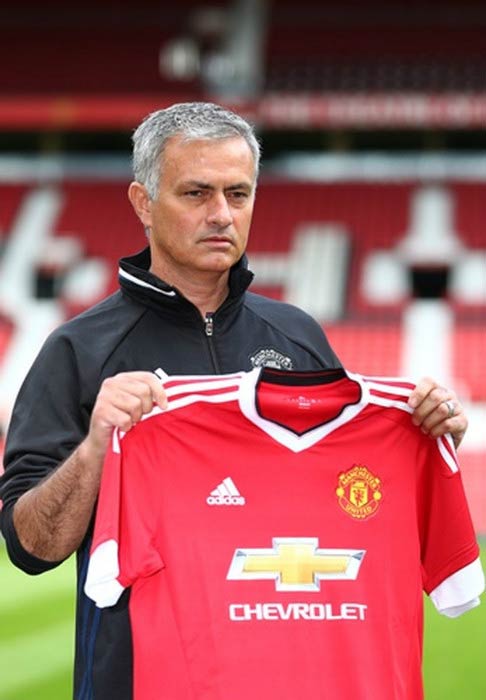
[{"x": 146, "y": 325}]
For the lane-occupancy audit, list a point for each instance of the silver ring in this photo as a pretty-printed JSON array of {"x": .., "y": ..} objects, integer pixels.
[{"x": 451, "y": 407}]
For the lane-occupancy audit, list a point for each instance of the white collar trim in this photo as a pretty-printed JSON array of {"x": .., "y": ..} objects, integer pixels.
[
  {"x": 141, "y": 283},
  {"x": 287, "y": 438}
]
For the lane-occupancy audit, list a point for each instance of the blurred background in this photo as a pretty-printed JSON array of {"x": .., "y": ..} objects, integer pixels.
[{"x": 370, "y": 212}]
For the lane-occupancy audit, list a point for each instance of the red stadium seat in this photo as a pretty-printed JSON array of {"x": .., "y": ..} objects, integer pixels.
[
  {"x": 10, "y": 197},
  {"x": 368, "y": 349},
  {"x": 473, "y": 466},
  {"x": 469, "y": 351},
  {"x": 352, "y": 47}
]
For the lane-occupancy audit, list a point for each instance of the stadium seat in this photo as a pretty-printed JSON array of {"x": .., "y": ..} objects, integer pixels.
[
  {"x": 10, "y": 197},
  {"x": 368, "y": 349},
  {"x": 473, "y": 467},
  {"x": 351, "y": 47},
  {"x": 6, "y": 330},
  {"x": 104, "y": 50},
  {"x": 469, "y": 351}
]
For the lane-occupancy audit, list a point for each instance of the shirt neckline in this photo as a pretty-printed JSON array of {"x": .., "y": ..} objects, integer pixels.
[{"x": 247, "y": 396}]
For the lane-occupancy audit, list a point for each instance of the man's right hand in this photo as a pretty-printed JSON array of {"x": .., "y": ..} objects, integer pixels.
[
  {"x": 52, "y": 518},
  {"x": 121, "y": 402}
]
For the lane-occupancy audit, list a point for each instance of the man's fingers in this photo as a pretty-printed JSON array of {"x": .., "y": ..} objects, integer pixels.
[
  {"x": 149, "y": 384},
  {"x": 143, "y": 385},
  {"x": 456, "y": 426},
  {"x": 428, "y": 394},
  {"x": 121, "y": 402},
  {"x": 437, "y": 410},
  {"x": 118, "y": 418},
  {"x": 441, "y": 415},
  {"x": 124, "y": 398},
  {"x": 428, "y": 398},
  {"x": 159, "y": 395}
]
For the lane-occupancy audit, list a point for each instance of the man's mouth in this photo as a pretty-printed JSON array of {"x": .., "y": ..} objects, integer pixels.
[{"x": 218, "y": 240}]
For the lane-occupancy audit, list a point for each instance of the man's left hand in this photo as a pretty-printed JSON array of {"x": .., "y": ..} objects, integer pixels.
[{"x": 437, "y": 410}]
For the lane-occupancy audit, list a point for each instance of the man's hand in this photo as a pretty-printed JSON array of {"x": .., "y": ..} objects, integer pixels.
[
  {"x": 437, "y": 410},
  {"x": 121, "y": 402},
  {"x": 52, "y": 518}
]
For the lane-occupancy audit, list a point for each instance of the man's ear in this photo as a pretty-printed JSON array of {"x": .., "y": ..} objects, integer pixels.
[{"x": 141, "y": 202}]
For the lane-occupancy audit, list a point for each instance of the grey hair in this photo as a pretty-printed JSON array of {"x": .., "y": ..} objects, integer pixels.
[{"x": 191, "y": 120}]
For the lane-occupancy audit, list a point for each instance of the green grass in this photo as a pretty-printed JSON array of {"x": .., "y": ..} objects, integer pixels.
[
  {"x": 36, "y": 633},
  {"x": 36, "y": 640},
  {"x": 454, "y": 652}
]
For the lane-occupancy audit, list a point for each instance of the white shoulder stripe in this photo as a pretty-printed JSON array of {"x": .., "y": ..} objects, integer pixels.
[
  {"x": 198, "y": 386},
  {"x": 187, "y": 378},
  {"x": 386, "y": 380},
  {"x": 390, "y": 403},
  {"x": 389, "y": 389},
  {"x": 448, "y": 452},
  {"x": 188, "y": 399}
]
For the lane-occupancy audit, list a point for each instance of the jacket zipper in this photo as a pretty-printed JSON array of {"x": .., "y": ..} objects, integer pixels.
[
  {"x": 209, "y": 331},
  {"x": 209, "y": 324}
]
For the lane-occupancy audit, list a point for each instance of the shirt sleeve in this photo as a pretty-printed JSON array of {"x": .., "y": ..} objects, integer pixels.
[
  {"x": 123, "y": 548},
  {"x": 452, "y": 573},
  {"x": 49, "y": 420}
]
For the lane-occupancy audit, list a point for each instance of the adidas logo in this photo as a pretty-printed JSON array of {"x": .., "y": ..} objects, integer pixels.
[{"x": 226, "y": 494}]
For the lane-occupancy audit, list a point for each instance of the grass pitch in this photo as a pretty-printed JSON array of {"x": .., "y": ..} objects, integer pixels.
[
  {"x": 36, "y": 640},
  {"x": 36, "y": 632}
]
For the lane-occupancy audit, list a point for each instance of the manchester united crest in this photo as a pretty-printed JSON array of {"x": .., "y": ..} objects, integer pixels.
[{"x": 359, "y": 492}]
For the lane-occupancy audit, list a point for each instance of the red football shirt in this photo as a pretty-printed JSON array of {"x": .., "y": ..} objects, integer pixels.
[{"x": 277, "y": 530}]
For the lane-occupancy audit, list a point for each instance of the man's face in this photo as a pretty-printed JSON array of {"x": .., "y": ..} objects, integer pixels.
[{"x": 201, "y": 218}]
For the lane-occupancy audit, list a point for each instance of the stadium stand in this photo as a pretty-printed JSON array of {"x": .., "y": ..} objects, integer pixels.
[
  {"x": 6, "y": 331},
  {"x": 10, "y": 197},
  {"x": 372, "y": 349},
  {"x": 6, "y": 328},
  {"x": 473, "y": 472},
  {"x": 92, "y": 48},
  {"x": 99, "y": 215},
  {"x": 359, "y": 218},
  {"x": 469, "y": 351},
  {"x": 311, "y": 46},
  {"x": 377, "y": 221},
  {"x": 469, "y": 212},
  {"x": 105, "y": 233},
  {"x": 376, "y": 46}
]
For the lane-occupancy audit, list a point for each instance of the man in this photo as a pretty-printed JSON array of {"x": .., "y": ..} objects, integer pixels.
[{"x": 183, "y": 307}]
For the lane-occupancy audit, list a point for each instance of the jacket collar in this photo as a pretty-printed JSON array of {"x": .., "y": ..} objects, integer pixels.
[{"x": 139, "y": 283}]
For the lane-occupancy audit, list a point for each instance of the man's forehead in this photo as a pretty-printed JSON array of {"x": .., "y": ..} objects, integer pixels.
[
  {"x": 180, "y": 146},
  {"x": 204, "y": 161},
  {"x": 182, "y": 139}
]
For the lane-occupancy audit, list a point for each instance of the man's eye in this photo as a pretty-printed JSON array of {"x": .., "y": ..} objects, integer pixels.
[
  {"x": 194, "y": 193},
  {"x": 239, "y": 195}
]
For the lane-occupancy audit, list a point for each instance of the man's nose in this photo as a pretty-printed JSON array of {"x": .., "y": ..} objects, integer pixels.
[{"x": 219, "y": 211}]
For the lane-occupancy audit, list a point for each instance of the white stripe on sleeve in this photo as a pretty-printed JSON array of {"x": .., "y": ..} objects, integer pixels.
[
  {"x": 460, "y": 592},
  {"x": 101, "y": 584}
]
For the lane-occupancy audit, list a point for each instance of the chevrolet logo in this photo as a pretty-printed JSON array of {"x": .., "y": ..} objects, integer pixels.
[{"x": 296, "y": 564}]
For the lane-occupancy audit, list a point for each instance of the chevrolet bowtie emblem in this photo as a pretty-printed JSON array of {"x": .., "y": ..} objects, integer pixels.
[{"x": 296, "y": 564}]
